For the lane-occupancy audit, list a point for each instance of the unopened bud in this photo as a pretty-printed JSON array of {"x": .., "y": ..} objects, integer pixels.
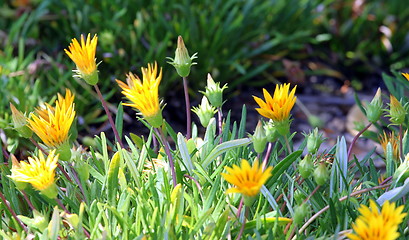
[
  {"x": 20, "y": 122},
  {"x": 374, "y": 108},
  {"x": 271, "y": 131},
  {"x": 300, "y": 212},
  {"x": 259, "y": 138},
  {"x": 306, "y": 166},
  {"x": 314, "y": 140},
  {"x": 214, "y": 92},
  {"x": 321, "y": 174},
  {"x": 182, "y": 61},
  {"x": 204, "y": 111},
  {"x": 402, "y": 172},
  {"x": 397, "y": 112}
]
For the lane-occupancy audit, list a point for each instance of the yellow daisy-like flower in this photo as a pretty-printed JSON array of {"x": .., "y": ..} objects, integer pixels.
[
  {"x": 278, "y": 107},
  {"x": 144, "y": 94},
  {"x": 83, "y": 55},
  {"x": 52, "y": 124},
  {"x": 39, "y": 172},
  {"x": 390, "y": 138},
  {"x": 247, "y": 180},
  {"x": 373, "y": 224}
]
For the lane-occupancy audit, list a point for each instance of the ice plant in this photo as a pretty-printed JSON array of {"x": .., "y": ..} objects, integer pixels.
[
  {"x": 373, "y": 224},
  {"x": 406, "y": 75},
  {"x": 52, "y": 124},
  {"x": 20, "y": 122},
  {"x": 204, "y": 111},
  {"x": 39, "y": 172},
  {"x": 83, "y": 55},
  {"x": 182, "y": 61},
  {"x": 247, "y": 179},
  {"x": 397, "y": 111},
  {"x": 143, "y": 94},
  {"x": 278, "y": 106}
]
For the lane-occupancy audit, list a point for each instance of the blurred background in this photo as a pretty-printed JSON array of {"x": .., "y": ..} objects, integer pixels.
[{"x": 329, "y": 48}]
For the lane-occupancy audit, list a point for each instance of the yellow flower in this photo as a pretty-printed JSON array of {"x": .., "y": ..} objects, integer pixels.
[
  {"x": 83, "y": 55},
  {"x": 144, "y": 94},
  {"x": 39, "y": 172},
  {"x": 394, "y": 140},
  {"x": 53, "y": 123},
  {"x": 278, "y": 107},
  {"x": 373, "y": 224},
  {"x": 247, "y": 180}
]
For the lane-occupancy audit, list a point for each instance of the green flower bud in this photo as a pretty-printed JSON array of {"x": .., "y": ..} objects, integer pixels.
[
  {"x": 374, "y": 108},
  {"x": 182, "y": 61},
  {"x": 397, "y": 112},
  {"x": 204, "y": 111},
  {"x": 321, "y": 174},
  {"x": 314, "y": 140},
  {"x": 299, "y": 196},
  {"x": 300, "y": 212},
  {"x": 214, "y": 92},
  {"x": 259, "y": 138},
  {"x": 306, "y": 166},
  {"x": 271, "y": 131},
  {"x": 20, "y": 122}
]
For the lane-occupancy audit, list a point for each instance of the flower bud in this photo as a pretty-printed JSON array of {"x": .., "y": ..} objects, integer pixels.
[
  {"x": 39, "y": 221},
  {"x": 314, "y": 140},
  {"x": 214, "y": 92},
  {"x": 82, "y": 169},
  {"x": 374, "y": 108},
  {"x": 306, "y": 166},
  {"x": 182, "y": 61},
  {"x": 321, "y": 174},
  {"x": 299, "y": 196},
  {"x": 20, "y": 122},
  {"x": 300, "y": 212},
  {"x": 397, "y": 112},
  {"x": 259, "y": 138},
  {"x": 204, "y": 111},
  {"x": 271, "y": 131}
]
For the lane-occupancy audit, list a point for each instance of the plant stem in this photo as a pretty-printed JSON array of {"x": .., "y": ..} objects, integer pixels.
[
  {"x": 400, "y": 142},
  {"x": 242, "y": 225},
  {"x": 170, "y": 158},
  {"x": 355, "y": 139},
  {"x": 12, "y": 212},
  {"x": 287, "y": 143},
  {"x": 311, "y": 194},
  {"x": 30, "y": 204},
  {"x": 104, "y": 105},
  {"x": 267, "y": 156},
  {"x": 220, "y": 120},
  {"x": 188, "y": 113},
  {"x": 240, "y": 207},
  {"x": 341, "y": 199},
  {"x": 194, "y": 180}
]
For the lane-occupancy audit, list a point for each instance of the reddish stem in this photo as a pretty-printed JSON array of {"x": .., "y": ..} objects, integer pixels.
[
  {"x": 108, "y": 113},
  {"x": 355, "y": 139},
  {"x": 188, "y": 113}
]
